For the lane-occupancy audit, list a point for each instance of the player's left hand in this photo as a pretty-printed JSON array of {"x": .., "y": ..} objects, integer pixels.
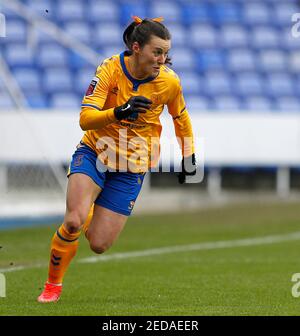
[{"x": 188, "y": 168}]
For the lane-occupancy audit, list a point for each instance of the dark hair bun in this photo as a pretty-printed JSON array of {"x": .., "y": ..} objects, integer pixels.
[{"x": 127, "y": 33}]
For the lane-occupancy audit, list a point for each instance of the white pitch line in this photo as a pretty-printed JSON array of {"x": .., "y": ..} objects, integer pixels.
[
  {"x": 22, "y": 267},
  {"x": 196, "y": 247},
  {"x": 174, "y": 249}
]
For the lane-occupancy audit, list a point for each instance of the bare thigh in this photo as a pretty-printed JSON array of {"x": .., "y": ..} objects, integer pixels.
[
  {"x": 105, "y": 227},
  {"x": 81, "y": 194}
]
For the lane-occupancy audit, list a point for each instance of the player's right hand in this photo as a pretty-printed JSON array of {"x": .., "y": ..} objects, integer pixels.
[
  {"x": 131, "y": 109},
  {"x": 189, "y": 168}
]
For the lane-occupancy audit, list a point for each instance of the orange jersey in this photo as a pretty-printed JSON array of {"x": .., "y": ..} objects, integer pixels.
[{"x": 134, "y": 143}]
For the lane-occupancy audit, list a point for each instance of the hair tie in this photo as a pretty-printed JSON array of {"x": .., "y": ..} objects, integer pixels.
[
  {"x": 138, "y": 20},
  {"x": 158, "y": 19}
]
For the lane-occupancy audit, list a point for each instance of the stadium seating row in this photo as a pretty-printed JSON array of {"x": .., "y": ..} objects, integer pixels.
[
  {"x": 257, "y": 103},
  {"x": 239, "y": 59},
  {"x": 184, "y": 12},
  {"x": 200, "y": 35}
]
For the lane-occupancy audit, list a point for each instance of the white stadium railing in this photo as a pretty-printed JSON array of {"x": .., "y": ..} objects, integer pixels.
[{"x": 49, "y": 138}]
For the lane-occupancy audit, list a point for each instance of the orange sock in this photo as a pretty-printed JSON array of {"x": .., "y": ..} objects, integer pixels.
[
  {"x": 88, "y": 220},
  {"x": 63, "y": 248}
]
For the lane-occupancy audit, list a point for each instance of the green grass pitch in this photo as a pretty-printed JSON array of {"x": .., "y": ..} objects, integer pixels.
[{"x": 240, "y": 280}]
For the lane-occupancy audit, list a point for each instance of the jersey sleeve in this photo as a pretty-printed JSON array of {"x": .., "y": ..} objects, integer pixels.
[
  {"x": 92, "y": 115},
  {"x": 181, "y": 119}
]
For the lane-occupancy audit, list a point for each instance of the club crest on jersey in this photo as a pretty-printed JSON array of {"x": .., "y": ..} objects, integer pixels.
[
  {"x": 92, "y": 87},
  {"x": 156, "y": 99},
  {"x": 78, "y": 160},
  {"x": 115, "y": 90}
]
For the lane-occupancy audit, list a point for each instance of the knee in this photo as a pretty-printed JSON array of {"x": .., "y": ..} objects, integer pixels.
[
  {"x": 99, "y": 247},
  {"x": 73, "y": 222}
]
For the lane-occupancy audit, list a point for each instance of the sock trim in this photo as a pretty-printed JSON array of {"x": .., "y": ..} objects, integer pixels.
[{"x": 65, "y": 239}]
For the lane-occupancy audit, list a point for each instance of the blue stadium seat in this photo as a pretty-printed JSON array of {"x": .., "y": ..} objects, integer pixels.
[
  {"x": 233, "y": 36},
  {"x": 65, "y": 101},
  {"x": 280, "y": 84},
  {"x": 226, "y": 12},
  {"x": 52, "y": 54},
  {"x": 258, "y": 103},
  {"x": 294, "y": 61},
  {"x": 249, "y": 83},
  {"x": 76, "y": 61},
  {"x": 28, "y": 79},
  {"x": 178, "y": 35},
  {"x": 16, "y": 31},
  {"x": 272, "y": 60},
  {"x": 169, "y": 10},
  {"x": 79, "y": 30},
  {"x": 288, "y": 41},
  {"x": 256, "y": 13},
  {"x": 197, "y": 12},
  {"x": 129, "y": 8},
  {"x": 210, "y": 60},
  {"x": 58, "y": 80},
  {"x": 265, "y": 37},
  {"x": 227, "y": 102},
  {"x": 288, "y": 103},
  {"x": 274, "y": 2},
  {"x": 191, "y": 83},
  {"x": 2, "y": 86},
  {"x": 184, "y": 59},
  {"x": 70, "y": 10},
  {"x": 9, "y": 14},
  {"x": 197, "y": 103},
  {"x": 83, "y": 79},
  {"x": 37, "y": 100},
  {"x": 107, "y": 34},
  {"x": 283, "y": 12},
  {"x": 241, "y": 60},
  {"x": 110, "y": 51},
  {"x": 203, "y": 36},
  {"x": 101, "y": 11},
  {"x": 42, "y": 37},
  {"x": 217, "y": 82},
  {"x": 6, "y": 101},
  {"x": 40, "y": 7},
  {"x": 18, "y": 54}
]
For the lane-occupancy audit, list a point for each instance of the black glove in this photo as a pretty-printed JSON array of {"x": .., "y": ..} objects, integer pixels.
[
  {"x": 132, "y": 108},
  {"x": 188, "y": 168}
]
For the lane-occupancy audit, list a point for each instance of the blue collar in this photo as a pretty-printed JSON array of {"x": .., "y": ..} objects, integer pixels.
[{"x": 135, "y": 82}]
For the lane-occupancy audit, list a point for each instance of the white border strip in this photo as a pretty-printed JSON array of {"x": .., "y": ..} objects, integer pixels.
[{"x": 175, "y": 249}]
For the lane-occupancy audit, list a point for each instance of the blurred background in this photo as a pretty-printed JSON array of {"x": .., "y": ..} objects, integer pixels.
[{"x": 239, "y": 64}]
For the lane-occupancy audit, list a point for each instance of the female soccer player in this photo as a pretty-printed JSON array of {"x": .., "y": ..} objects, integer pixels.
[{"x": 120, "y": 116}]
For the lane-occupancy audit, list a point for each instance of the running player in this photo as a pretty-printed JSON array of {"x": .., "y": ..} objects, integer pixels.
[{"x": 120, "y": 116}]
